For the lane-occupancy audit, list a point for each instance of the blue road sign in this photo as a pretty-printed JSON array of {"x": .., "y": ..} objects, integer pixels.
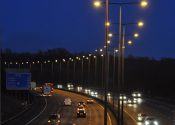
[{"x": 18, "y": 80}]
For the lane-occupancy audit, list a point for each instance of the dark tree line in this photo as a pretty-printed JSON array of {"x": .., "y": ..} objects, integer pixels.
[{"x": 154, "y": 77}]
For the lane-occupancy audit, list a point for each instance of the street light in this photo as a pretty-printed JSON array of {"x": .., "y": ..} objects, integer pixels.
[
  {"x": 144, "y": 3},
  {"x": 136, "y": 35},
  {"x": 129, "y": 42},
  {"x": 107, "y": 24},
  {"x": 110, "y": 34},
  {"x": 140, "y": 24},
  {"x": 97, "y": 3},
  {"x": 108, "y": 41}
]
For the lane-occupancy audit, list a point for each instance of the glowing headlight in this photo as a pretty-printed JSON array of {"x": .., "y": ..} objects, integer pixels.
[
  {"x": 95, "y": 93},
  {"x": 139, "y": 95},
  {"x": 48, "y": 121},
  {"x": 139, "y": 118},
  {"x": 155, "y": 122},
  {"x": 124, "y": 97},
  {"x": 92, "y": 93},
  {"x": 134, "y": 94},
  {"x": 146, "y": 122}
]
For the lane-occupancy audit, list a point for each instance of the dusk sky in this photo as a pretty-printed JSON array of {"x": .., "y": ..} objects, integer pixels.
[{"x": 32, "y": 25}]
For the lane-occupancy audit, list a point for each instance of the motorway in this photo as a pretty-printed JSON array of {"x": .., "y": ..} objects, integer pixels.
[
  {"x": 43, "y": 106},
  {"x": 54, "y": 104},
  {"x": 163, "y": 117}
]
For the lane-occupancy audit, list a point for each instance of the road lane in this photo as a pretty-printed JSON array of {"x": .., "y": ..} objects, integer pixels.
[
  {"x": 144, "y": 108},
  {"x": 55, "y": 104},
  {"x": 130, "y": 115},
  {"x": 94, "y": 111},
  {"x": 29, "y": 114}
]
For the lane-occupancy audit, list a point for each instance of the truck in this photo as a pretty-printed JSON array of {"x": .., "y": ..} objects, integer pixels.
[{"x": 47, "y": 89}]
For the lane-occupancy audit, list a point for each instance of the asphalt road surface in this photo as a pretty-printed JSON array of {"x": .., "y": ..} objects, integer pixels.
[{"x": 38, "y": 113}]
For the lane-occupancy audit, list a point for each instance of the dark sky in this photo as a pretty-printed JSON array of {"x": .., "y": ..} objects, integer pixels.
[{"x": 32, "y": 25}]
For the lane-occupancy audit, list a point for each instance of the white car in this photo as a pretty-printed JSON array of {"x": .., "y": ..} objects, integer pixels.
[
  {"x": 141, "y": 117},
  {"x": 149, "y": 120},
  {"x": 67, "y": 101}
]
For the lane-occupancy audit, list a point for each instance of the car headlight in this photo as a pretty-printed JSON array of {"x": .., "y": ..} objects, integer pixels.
[
  {"x": 155, "y": 122},
  {"x": 139, "y": 95},
  {"x": 48, "y": 121},
  {"x": 139, "y": 118},
  {"x": 146, "y": 122},
  {"x": 134, "y": 94}
]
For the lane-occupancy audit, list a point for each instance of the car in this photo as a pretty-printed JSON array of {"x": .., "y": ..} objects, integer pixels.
[
  {"x": 136, "y": 95},
  {"x": 123, "y": 98},
  {"x": 54, "y": 119},
  {"x": 67, "y": 101},
  {"x": 150, "y": 120},
  {"x": 81, "y": 103},
  {"x": 90, "y": 101},
  {"x": 131, "y": 101},
  {"x": 81, "y": 112},
  {"x": 141, "y": 117}
]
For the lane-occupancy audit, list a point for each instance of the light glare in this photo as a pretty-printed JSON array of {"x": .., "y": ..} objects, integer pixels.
[
  {"x": 97, "y": 3},
  {"x": 144, "y": 3}
]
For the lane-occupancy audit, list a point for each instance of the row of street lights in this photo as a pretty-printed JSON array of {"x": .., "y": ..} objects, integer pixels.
[
  {"x": 121, "y": 47},
  {"x": 67, "y": 62}
]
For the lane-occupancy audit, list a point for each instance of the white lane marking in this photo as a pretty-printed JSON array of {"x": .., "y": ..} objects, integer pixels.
[
  {"x": 39, "y": 113},
  {"x": 13, "y": 117},
  {"x": 110, "y": 122},
  {"x": 130, "y": 116}
]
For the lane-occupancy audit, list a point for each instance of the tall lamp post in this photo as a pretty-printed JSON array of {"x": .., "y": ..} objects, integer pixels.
[
  {"x": 95, "y": 76},
  {"x": 82, "y": 69}
]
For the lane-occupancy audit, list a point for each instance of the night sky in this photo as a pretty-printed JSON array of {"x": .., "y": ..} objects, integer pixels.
[{"x": 32, "y": 25}]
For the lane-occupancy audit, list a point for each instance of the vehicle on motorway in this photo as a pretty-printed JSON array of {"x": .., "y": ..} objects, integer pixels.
[
  {"x": 131, "y": 101},
  {"x": 149, "y": 120},
  {"x": 54, "y": 119},
  {"x": 81, "y": 112},
  {"x": 136, "y": 95},
  {"x": 70, "y": 86},
  {"x": 141, "y": 117},
  {"x": 47, "y": 89},
  {"x": 81, "y": 103},
  {"x": 123, "y": 98},
  {"x": 90, "y": 101},
  {"x": 67, "y": 101}
]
